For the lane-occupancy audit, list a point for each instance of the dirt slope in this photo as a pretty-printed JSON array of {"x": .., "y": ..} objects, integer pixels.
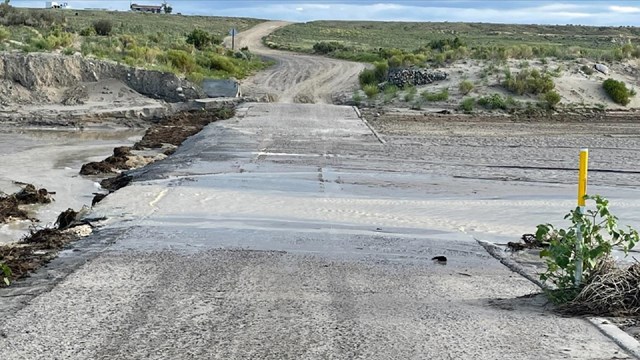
[{"x": 296, "y": 78}]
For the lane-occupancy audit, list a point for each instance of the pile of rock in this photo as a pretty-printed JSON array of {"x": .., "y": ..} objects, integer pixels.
[{"x": 414, "y": 76}]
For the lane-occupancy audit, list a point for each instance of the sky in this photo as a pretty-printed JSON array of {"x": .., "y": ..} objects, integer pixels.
[{"x": 603, "y": 13}]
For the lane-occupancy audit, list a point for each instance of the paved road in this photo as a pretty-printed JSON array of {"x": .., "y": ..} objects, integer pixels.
[
  {"x": 296, "y": 78},
  {"x": 273, "y": 235}
]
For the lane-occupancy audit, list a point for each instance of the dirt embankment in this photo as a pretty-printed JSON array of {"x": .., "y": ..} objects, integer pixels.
[{"x": 45, "y": 78}]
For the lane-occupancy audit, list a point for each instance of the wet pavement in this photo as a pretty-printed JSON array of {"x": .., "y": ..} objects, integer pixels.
[{"x": 275, "y": 235}]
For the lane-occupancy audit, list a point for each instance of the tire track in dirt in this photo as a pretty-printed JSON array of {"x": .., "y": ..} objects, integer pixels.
[{"x": 296, "y": 78}]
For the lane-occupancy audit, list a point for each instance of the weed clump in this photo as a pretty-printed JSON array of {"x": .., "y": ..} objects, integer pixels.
[
  {"x": 528, "y": 82},
  {"x": 103, "y": 27},
  {"x": 618, "y": 91}
]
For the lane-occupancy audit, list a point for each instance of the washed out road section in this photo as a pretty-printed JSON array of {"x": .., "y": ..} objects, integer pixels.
[{"x": 271, "y": 235}]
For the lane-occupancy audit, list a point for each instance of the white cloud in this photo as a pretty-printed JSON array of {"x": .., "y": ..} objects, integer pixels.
[{"x": 624, "y": 9}]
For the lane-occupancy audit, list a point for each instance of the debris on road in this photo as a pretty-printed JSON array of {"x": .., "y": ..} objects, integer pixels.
[
  {"x": 530, "y": 242},
  {"x": 28, "y": 195}
]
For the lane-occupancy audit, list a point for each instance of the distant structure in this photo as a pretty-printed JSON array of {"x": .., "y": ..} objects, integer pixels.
[
  {"x": 56, "y": 5},
  {"x": 154, "y": 9}
]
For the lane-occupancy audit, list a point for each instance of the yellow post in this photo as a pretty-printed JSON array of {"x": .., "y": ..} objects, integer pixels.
[
  {"x": 582, "y": 176},
  {"x": 582, "y": 191}
]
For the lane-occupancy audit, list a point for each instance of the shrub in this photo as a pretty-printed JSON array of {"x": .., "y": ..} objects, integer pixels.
[
  {"x": 588, "y": 70},
  {"x": 465, "y": 87},
  {"x": 443, "y": 95},
  {"x": 467, "y": 105},
  {"x": 181, "y": 60},
  {"x": 4, "y": 33},
  {"x": 214, "y": 62},
  {"x": 327, "y": 47},
  {"x": 410, "y": 94},
  {"x": 551, "y": 99},
  {"x": 196, "y": 78},
  {"x": 371, "y": 90},
  {"x": 381, "y": 70},
  {"x": 367, "y": 77},
  {"x": 600, "y": 234},
  {"x": 528, "y": 82},
  {"x": 493, "y": 102},
  {"x": 618, "y": 91},
  {"x": 89, "y": 31},
  {"x": 357, "y": 98},
  {"x": 199, "y": 38},
  {"x": 103, "y": 27}
]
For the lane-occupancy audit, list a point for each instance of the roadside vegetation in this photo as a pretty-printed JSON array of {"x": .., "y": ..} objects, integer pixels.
[
  {"x": 618, "y": 91},
  {"x": 416, "y": 43},
  {"x": 185, "y": 45},
  {"x": 606, "y": 289},
  {"x": 525, "y": 61}
]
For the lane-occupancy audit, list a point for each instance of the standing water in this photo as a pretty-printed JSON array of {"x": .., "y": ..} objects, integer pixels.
[{"x": 51, "y": 159}]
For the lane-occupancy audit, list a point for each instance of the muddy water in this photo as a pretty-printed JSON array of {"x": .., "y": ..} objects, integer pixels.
[{"x": 52, "y": 158}]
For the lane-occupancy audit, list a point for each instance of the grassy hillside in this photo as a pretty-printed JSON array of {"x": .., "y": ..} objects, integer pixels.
[
  {"x": 156, "y": 41},
  {"x": 361, "y": 40}
]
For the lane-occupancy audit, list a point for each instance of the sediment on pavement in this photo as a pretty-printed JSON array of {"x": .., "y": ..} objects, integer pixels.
[{"x": 42, "y": 245}]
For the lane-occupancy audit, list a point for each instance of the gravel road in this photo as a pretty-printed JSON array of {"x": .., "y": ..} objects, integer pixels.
[{"x": 296, "y": 78}]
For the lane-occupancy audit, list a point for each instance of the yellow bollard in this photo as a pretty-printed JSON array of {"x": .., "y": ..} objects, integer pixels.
[
  {"x": 582, "y": 191},
  {"x": 582, "y": 176}
]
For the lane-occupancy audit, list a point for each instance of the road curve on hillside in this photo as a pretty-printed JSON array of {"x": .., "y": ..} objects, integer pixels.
[{"x": 296, "y": 78}]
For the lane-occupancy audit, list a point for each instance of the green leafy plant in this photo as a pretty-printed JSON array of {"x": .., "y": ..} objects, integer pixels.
[
  {"x": 465, "y": 87},
  {"x": 442, "y": 95},
  {"x": 199, "y": 38},
  {"x": 5, "y": 274},
  {"x": 618, "y": 91},
  {"x": 600, "y": 233},
  {"x": 551, "y": 99},
  {"x": 371, "y": 91},
  {"x": 467, "y": 104}
]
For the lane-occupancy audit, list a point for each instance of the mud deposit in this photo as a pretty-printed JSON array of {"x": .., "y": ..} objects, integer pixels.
[{"x": 51, "y": 159}]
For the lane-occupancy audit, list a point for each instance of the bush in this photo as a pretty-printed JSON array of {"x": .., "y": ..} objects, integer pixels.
[
  {"x": 410, "y": 94},
  {"x": 327, "y": 47},
  {"x": 495, "y": 101},
  {"x": 551, "y": 99},
  {"x": 196, "y": 78},
  {"x": 103, "y": 27},
  {"x": 89, "y": 31},
  {"x": 600, "y": 234},
  {"x": 181, "y": 60},
  {"x": 465, "y": 87},
  {"x": 4, "y": 33},
  {"x": 367, "y": 77},
  {"x": 438, "y": 96},
  {"x": 467, "y": 105},
  {"x": 618, "y": 91},
  {"x": 214, "y": 62},
  {"x": 588, "y": 70},
  {"x": 371, "y": 90},
  {"x": 381, "y": 70},
  {"x": 199, "y": 38},
  {"x": 528, "y": 82}
]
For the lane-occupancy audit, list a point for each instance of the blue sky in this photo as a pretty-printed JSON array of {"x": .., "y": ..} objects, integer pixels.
[{"x": 613, "y": 13}]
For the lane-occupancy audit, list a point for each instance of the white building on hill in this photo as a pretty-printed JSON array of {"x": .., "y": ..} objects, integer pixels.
[{"x": 56, "y": 5}]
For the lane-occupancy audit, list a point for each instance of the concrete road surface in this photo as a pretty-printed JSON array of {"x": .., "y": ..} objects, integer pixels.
[{"x": 273, "y": 235}]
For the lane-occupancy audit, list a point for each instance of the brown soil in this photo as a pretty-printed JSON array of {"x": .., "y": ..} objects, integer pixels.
[
  {"x": 32, "y": 252},
  {"x": 10, "y": 204},
  {"x": 176, "y": 129},
  {"x": 111, "y": 165}
]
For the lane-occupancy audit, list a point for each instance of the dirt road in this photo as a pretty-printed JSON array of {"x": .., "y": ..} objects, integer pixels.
[{"x": 296, "y": 78}]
